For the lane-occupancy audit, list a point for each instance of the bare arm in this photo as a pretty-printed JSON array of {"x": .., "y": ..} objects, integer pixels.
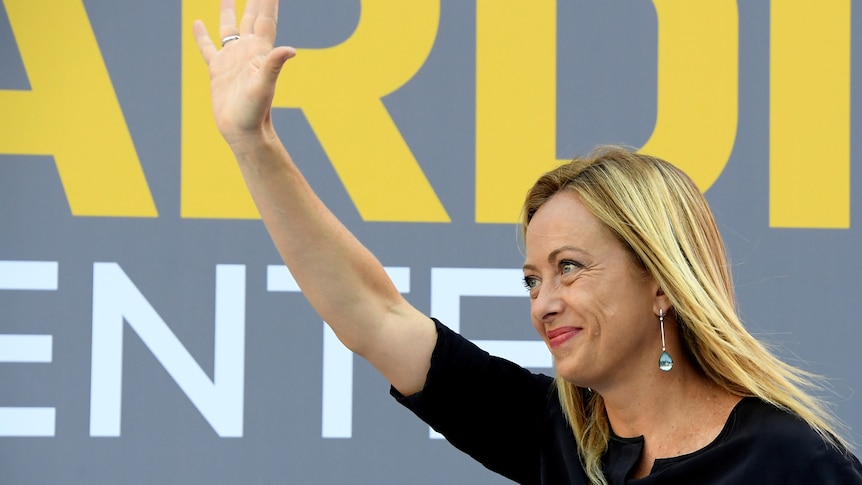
[{"x": 343, "y": 281}]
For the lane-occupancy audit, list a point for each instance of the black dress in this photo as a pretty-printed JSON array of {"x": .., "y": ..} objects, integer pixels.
[{"x": 511, "y": 421}]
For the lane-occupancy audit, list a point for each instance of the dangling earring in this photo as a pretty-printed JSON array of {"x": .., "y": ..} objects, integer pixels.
[{"x": 665, "y": 362}]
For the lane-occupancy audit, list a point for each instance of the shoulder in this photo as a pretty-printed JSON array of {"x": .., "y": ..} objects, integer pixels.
[
  {"x": 462, "y": 360},
  {"x": 770, "y": 435},
  {"x": 488, "y": 407},
  {"x": 465, "y": 383},
  {"x": 763, "y": 444},
  {"x": 766, "y": 425}
]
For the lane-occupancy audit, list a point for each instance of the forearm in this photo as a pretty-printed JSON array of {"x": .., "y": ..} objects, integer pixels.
[
  {"x": 342, "y": 280},
  {"x": 337, "y": 274}
]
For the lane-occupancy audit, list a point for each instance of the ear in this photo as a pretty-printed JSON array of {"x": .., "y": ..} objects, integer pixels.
[{"x": 661, "y": 302}]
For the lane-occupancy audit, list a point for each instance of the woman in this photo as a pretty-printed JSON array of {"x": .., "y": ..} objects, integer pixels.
[{"x": 657, "y": 381}]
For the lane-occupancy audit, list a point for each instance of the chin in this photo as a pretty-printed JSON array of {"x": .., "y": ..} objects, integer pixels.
[{"x": 569, "y": 373}]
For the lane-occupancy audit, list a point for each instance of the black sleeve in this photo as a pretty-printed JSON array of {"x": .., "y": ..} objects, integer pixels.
[{"x": 488, "y": 407}]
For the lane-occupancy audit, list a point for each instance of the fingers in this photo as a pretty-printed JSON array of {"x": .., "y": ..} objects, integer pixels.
[
  {"x": 246, "y": 26},
  {"x": 205, "y": 44},
  {"x": 265, "y": 27},
  {"x": 260, "y": 18},
  {"x": 227, "y": 19},
  {"x": 268, "y": 9},
  {"x": 273, "y": 64},
  {"x": 267, "y": 20},
  {"x": 275, "y": 60}
]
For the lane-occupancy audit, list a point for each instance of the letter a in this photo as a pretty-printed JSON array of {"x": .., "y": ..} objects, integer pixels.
[{"x": 72, "y": 112}]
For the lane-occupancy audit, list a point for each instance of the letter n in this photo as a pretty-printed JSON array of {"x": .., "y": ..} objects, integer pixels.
[{"x": 116, "y": 299}]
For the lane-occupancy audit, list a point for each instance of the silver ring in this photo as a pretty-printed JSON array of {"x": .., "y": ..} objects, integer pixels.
[{"x": 229, "y": 38}]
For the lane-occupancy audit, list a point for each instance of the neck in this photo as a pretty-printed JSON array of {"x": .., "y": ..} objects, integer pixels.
[{"x": 663, "y": 401}]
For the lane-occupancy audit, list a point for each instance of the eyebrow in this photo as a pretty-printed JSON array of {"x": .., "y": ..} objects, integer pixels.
[{"x": 553, "y": 255}]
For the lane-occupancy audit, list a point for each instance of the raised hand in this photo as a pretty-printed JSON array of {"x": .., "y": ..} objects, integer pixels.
[
  {"x": 343, "y": 281},
  {"x": 243, "y": 73}
]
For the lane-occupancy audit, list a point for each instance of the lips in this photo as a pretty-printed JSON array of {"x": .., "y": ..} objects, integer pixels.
[{"x": 558, "y": 336}]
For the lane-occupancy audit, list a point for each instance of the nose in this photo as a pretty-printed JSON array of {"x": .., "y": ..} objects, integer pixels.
[{"x": 547, "y": 304}]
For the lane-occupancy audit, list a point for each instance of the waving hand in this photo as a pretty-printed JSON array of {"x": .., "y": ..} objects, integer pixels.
[
  {"x": 342, "y": 280},
  {"x": 243, "y": 73}
]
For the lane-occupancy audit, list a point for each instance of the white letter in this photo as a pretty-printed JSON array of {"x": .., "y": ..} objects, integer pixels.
[
  {"x": 27, "y": 275},
  {"x": 115, "y": 298},
  {"x": 337, "y": 399}
]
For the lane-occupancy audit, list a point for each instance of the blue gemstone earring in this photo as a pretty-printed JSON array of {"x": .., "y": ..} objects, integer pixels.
[{"x": 665, "y": 362}]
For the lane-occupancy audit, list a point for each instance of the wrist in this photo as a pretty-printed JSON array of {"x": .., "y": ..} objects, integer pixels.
[{"x": 248, "y": 143}]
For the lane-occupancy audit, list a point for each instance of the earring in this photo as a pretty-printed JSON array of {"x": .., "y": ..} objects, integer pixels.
[{"x": 665, "y": 362}]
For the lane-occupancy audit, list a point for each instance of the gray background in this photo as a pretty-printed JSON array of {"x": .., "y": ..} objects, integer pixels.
[{"x": 798, "y": 289}]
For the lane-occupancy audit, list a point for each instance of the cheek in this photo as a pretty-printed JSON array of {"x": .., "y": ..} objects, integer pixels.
[
  {"x": 537, "y": 325},
  {"x": 536, "y": 321}
]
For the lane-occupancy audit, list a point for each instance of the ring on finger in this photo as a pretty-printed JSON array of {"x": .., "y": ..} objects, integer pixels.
[{"x": 229, "y": 38}]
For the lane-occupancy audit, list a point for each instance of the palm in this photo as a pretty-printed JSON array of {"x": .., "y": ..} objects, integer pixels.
[
  {"x": 241, "y": 97},
  {"x": 243, "y": 73}
]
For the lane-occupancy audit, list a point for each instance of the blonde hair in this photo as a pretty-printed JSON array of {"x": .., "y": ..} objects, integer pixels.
[{"x": 658, "y": 212}]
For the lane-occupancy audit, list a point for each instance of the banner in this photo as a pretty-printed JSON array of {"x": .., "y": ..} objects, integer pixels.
[{"x": 149, "y": 333}]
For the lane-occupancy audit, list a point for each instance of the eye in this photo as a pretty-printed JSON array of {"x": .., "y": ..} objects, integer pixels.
[
  {"x": 567, "y": 266},
  {"x": 530, "y": 282}
]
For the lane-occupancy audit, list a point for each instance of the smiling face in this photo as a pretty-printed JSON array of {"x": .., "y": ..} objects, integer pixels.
[{"x": 593, "y": 305}]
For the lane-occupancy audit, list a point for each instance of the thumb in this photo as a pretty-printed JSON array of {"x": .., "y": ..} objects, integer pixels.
[{"x": 275, "y": 61}]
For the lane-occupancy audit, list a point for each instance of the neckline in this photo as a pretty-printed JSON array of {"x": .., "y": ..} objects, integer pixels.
[
  {"x": 660, "y": 463},
  {"x": 724, "y": 429},
  {"x": 629, "y": 449}
]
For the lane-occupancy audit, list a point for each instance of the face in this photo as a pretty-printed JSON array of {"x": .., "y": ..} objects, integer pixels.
[{"x": 591, "y": 303}]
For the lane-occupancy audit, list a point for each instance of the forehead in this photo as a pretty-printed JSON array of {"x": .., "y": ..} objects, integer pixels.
[
  {"x": 565, "y": 212},
  {"x": 565, "y": 220}
]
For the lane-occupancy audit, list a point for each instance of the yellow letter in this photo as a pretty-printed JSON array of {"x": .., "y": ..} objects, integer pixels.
[
  {"x": 516, "y": 95},
  {"x": 72, "y": 112},
  {"x": 516, "y": 103},
  {"x": 698, "y": 86},
  {"x": 339, "y": 90},
  {"x": 809, "y": 119}
]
